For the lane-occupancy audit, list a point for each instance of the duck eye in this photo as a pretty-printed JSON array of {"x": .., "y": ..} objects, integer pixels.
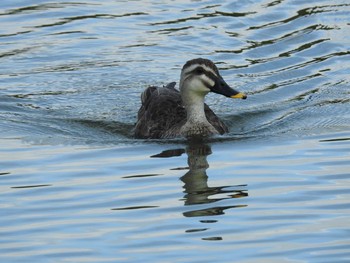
[{"x": 199, "y": 71}]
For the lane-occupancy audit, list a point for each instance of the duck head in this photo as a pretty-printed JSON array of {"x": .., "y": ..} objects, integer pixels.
[{"x": 200, "y": 76}]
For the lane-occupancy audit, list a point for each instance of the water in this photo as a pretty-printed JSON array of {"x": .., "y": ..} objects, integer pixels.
[{"x": 76, "y": 187}]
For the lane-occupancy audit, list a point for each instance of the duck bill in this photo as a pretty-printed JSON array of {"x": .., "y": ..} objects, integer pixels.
[{"x": 221, "y": 87}]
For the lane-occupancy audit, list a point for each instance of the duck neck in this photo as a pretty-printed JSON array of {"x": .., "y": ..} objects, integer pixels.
[{"x": 194, "y": 104}]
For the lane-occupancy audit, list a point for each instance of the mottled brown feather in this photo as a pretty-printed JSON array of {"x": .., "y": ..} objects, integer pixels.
[{"x": 162, "y": 114}]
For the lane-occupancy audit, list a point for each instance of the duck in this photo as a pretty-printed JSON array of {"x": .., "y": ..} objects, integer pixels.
[{"x": 167, "y": 113}]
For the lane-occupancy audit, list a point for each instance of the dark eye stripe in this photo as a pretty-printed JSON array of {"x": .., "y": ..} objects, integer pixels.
[
  {"x": 202, "y": 70},
  {"x": 199, "y": 70}
]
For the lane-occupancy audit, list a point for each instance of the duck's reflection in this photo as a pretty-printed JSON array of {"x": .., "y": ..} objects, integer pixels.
[{"x": 196, "y": 187}]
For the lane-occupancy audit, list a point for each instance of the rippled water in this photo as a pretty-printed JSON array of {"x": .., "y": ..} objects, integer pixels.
[{"x": 75, "y": 186}]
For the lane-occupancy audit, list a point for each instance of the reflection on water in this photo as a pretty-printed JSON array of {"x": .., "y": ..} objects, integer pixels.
[
  {"x": 196, "y": 186},
  {"x": 195, "y": 181},
  {"x": 126, "y": 203}
]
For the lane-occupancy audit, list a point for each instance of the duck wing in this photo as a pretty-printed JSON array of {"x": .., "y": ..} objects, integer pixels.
[{"x": 161, "y": 114}]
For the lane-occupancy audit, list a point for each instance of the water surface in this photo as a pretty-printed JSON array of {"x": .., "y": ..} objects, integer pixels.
[{"x": 75, "y": 186}]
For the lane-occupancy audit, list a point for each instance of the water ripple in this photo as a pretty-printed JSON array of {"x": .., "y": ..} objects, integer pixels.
[{"x": 76, "y": 186}]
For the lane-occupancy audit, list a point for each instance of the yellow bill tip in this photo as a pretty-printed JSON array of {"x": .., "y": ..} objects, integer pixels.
[{"x": 239, "y": 95}]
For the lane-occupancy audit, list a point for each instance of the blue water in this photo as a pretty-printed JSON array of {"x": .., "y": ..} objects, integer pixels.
[{"x": 75, "y": 186}]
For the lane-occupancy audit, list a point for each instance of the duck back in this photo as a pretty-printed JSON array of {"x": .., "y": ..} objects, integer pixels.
[{"x": 162, "y": 114}]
